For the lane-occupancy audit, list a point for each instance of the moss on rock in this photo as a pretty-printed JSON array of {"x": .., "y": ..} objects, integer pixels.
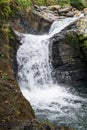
[
  {"x": 82, "y": 35},
  {"x": 13, "y": 106}
]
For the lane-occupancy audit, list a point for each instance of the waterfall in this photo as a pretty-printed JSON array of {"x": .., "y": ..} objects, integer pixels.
[
  {"x": 48, "y": 99},
  {"x": 33, "y": 57}
]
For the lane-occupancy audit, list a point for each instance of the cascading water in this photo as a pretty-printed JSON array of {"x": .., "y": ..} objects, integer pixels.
[{"x": 49, "y": 100}]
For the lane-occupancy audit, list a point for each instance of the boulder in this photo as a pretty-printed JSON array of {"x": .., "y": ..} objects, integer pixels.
[
  {"x": 65, "y": 9},
  {"x": 54, "y": 7},
  {"x": 85, "y": 11},
  {"x": 82, "y": 26},
  {"x": 77, "y": 13},
  {"x": 70, "y": 14},
  {"x": 69, "y": 58}
]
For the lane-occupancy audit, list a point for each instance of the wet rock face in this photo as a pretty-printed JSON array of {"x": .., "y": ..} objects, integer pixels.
[
  {"x": 68, "y": 60},
  {"x": 37, "y": 125}
]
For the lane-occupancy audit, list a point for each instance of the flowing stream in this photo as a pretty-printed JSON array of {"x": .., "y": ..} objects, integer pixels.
[{"x": 49, "y": 100}]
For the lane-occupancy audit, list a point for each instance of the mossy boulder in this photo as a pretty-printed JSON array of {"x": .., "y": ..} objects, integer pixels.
[
  {"x": 82, "y": 26},
  {"x": 69, "y": 58},
  {"x": 82, "y": 34}
]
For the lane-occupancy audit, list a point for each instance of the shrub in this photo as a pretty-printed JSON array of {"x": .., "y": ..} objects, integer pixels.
[{"x": 77, "y": 4}]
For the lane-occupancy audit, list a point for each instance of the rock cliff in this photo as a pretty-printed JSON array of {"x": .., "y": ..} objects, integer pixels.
[{"x": 13, "y": 106}]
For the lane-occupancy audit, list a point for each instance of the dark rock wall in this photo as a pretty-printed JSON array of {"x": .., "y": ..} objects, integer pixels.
[{"x": 68, "y": 61}]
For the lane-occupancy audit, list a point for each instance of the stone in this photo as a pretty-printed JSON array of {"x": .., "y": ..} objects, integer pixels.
[
  {"x": 70, "y": 14},
  {"x": 77, "y": 13},
  {"x": 65, "y": 9},
  {"x": 85, "y": 11},
  {"x": 54, "y": 7},
  {"x": 82, "y": 26},
  {"x": 69, "y": 59}
]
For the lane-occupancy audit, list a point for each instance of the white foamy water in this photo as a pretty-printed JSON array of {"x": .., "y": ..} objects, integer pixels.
[{"x": 48, "y": 99}]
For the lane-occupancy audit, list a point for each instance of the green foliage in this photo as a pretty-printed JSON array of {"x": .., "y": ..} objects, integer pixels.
[
  {"x": 84, "y": 3},
  {"x": 82, "y": 40},
  {"x": 39, "y": 2},
  {"x": 77, "y": 4},
  {"x": 22, "y": 4},
  {"x": 85, "y": 43},
  {"x": 7, "y": 31},
  {"x": 8, "y": 7},
  {"x": 5, "y": 9},
  {"x": 63, "y": 2},
  {"x": 44, "y": 2},
  {"x": 26, "y": 3}
]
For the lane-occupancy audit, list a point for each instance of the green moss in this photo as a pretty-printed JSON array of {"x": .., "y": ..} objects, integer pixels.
[
  {"x": 85, "y": 43},
  {"x": 82, "y": 40}
]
